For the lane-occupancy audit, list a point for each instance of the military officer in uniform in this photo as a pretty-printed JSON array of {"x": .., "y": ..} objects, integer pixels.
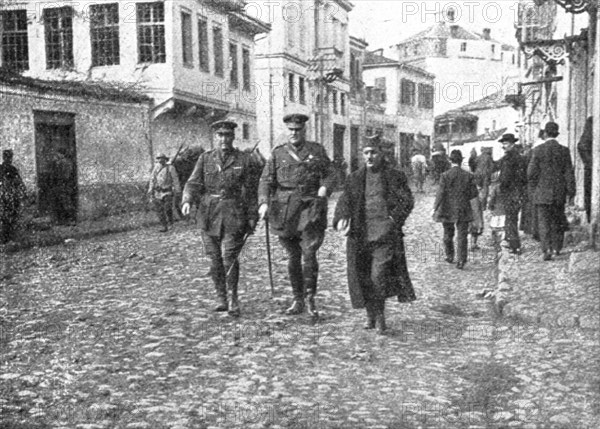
[
  {"x": 163, "y": 187},
  {"x": 293, "y": 192},
  {"x": 224, "y": 186}
]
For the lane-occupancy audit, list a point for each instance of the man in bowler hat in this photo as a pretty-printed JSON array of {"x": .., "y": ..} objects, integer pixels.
[
  {"x": 511, "y": 189},
  {"x": 454, "y": 210},
  {"x": 293, "y": 192},
  {"x": 552, "y": 180},
  {"x": 223, "y": 185}
]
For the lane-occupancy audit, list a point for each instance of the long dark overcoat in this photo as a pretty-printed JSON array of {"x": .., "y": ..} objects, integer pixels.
[{"x": 351, "y": 205}]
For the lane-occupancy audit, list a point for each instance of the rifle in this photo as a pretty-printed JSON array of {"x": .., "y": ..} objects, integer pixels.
[{"x": 269, "y": 256}]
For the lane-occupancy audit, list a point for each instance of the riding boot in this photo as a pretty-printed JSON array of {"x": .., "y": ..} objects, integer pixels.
[{"x": 297, "y": 306}]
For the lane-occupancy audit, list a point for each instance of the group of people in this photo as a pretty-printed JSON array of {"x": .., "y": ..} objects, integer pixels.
[
  {"x": 535, "y": 187},
  {"x": 233, "y": 192}
]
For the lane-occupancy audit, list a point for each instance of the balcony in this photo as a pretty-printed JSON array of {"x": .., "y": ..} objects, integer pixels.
[{"x": 328, "y": 61}]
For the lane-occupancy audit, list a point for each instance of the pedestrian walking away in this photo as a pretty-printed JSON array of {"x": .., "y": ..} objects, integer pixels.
[
  {"x": 223, "y": 185},
  {"x": 12, "y": 192},
  {"x": 552, "y": 179},
  {"x": 419, "y": 170},
  {"x": 375, "y": 203},
  {"x": 163, "y": 186},
  {"x": 483, "y": 174},
  {"x": 293, "y": 193},
  {"x": 512, "y": 188},
  {"x": 454, "y": 209}
]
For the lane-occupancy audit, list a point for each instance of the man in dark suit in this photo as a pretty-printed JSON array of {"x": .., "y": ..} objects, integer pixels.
[
  {"x": 512, "y": 188},
  {"x": 293, "y": 191},
  {"x": 550, "y": 173},
  {"x": 372, "y": 210},
  {"x": 453, "y": 208}
]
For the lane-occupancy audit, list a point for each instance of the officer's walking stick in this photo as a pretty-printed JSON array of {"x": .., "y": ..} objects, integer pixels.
[{"x": 269, "y": 256}]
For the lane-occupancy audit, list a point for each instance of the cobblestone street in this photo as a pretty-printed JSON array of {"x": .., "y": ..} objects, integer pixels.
[{"x": 118, "y": 332}]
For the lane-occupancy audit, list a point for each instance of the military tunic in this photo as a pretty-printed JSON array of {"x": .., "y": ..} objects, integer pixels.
[
  {"x": 224, "y": 187},
  {"x": 289, "y": 184}
]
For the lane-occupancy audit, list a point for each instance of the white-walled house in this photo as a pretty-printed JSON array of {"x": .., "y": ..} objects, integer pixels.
[
  {"x": 192, "y": 60},
  {"x": 406, "y": 94}
]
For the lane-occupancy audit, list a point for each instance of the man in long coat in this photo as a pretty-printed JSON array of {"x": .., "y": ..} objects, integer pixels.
[
  {"x": 293, "y": 190},
  {"x": 372, "y": 210},
  {"x": 552, "y": 179},
  {"x": 453, "y": 208},
  {"x": 223, "y": 184},
  {"x": 512, "y": 189},
  {"x": 12, "y": 191}
]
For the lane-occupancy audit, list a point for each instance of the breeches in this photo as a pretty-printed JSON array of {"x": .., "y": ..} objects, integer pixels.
[{"x": 223, "y": 252}]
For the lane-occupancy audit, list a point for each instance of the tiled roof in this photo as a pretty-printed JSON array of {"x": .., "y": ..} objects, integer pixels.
[
  {"x": 95, "y": 89},
  {"x": 443, "y": 31},
  {"x": 372, "y": 59},
  {"x": 492, "y": 101}
]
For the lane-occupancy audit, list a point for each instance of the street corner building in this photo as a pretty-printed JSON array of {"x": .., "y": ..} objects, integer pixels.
[{"x": 82, "y": 149}]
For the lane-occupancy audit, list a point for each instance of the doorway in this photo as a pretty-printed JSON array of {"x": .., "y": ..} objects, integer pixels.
[{"x": 56, "y": 165}]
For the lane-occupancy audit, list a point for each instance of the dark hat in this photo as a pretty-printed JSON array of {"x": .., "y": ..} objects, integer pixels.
[
  {"x": 7, "y": 152},
  {"x": 551, "y": 128},
  {"x": 508, "y": 137},
  {"x": 456, "y": 156},
  {"x": 162, "y": 156},
  {"x": 224, "y": 127},
  {"x": 295, "y": 118}
]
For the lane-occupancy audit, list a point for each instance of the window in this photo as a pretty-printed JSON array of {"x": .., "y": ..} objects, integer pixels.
[
  {"x": 301, "y": 90},
  {"x": 513, "y": 58},
  {"x": 58, "y": 29},
  {"x": 186, "y": 39},
  {"x": 203, "y": 45},
  {"x": 246, "y": 68},
  {"x": 407, "y": 88},
  {"x": 233, "y": 65},
  {"x": 381, "y": 86},
  {"x": 218, "y": 50},
  {"x": 104, "y": 34},
  {"x": 343, "y": 104},
  {"x": 246, "y": 131},
  {"x": 291, "y": 92},
  {"x": 493, "y": 49},
  {"x": 425, "y": 96},
  {"x": 151, "y": 32},
  {"x": 334, "y": 101},
  {"x": 15, "y": 48},
  {"x": 463, "y": 47}
]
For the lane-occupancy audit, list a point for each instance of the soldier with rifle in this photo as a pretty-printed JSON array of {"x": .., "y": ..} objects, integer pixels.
[
  {"x": 223, "y": 185},
  {"x": 293, "y": 190},
  {"x": 163, "y": 187}
]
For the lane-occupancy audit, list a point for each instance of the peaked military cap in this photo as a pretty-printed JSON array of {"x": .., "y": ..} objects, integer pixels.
[
  {"x": 508, "y": 137},
  {"x": 372, "y": 141},
  {"x": 295, "y": 118},
  {"x": 226, "y": 127}
]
